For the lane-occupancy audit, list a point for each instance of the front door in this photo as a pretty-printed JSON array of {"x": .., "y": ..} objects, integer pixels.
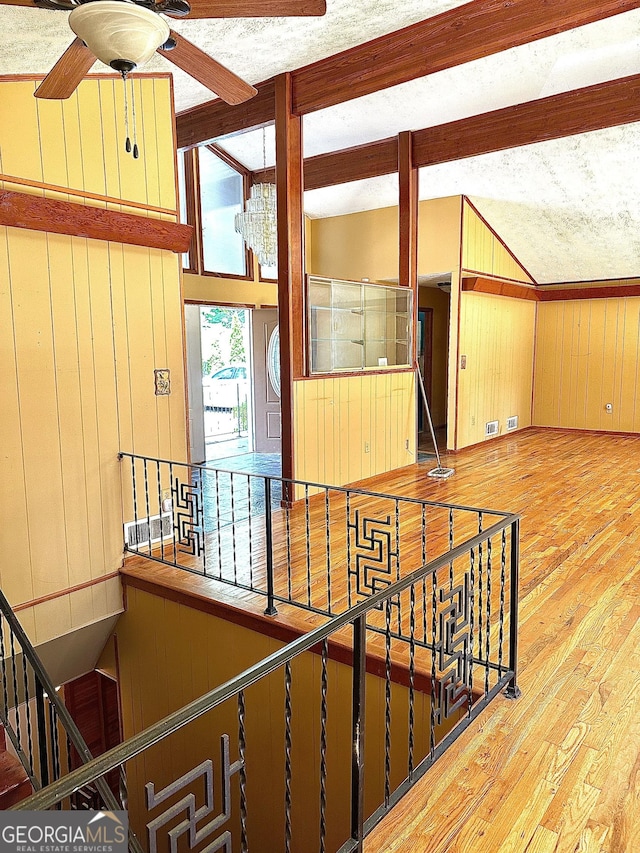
[{"x": 266, "y": 383}]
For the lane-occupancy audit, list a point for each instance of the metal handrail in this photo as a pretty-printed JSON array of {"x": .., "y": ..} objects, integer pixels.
[
  {"x": 344, "y": 489},
  {"x": 62, "y": 712},
  {"x": 158, "y": 731}
]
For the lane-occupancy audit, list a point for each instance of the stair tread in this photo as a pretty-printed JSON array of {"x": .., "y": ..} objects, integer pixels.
[{"x": 12, "y": 773}]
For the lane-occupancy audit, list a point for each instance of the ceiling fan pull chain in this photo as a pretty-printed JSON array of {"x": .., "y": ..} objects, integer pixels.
[
  {"x": 127, "y": 144},
  {"x": 136, "y": 153}
]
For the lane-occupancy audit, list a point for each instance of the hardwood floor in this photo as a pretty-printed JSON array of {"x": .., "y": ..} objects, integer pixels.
[{"x": 559, "y": 768}]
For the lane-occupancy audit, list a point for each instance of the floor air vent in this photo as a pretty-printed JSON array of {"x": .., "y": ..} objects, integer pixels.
[
  {"x": 512, "y": 423},
  {"x": 491, "y": 428},
  {"x": 136, "y": 533}
]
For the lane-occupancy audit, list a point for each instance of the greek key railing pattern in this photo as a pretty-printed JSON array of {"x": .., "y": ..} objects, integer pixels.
[
  {"x": 195, "y": 814},
  {"x": 317, "y": 547},
  {"x": 189, "y": 516},
  {"x": 453, "y": 649},
  {"x": 373, "y": 561}
]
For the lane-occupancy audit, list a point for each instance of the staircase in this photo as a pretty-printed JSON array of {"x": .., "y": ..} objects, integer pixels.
[
  {"x": 14, "y": 782},
  {"x": 45, "y": 741}
]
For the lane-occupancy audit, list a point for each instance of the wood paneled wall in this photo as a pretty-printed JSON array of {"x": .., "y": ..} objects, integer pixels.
[
  {"x": 587, "y": 356},
  {"x": 484, "y": 252},
  {"x": 496, "y": 340},
  {"x": 338, "y": 418},
  {"x": 496, "y": 337},
  {"x": 83, "y": 324},
  {"x": 78, "y": 143},
  {"x": 171, "y": 654},
  {"x": 335, "y": 417}
]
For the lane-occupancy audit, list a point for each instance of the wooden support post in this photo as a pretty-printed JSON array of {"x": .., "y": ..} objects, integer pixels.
[
  {"x": 289, "y": 185},
  {"x": 408, "y": 226}
]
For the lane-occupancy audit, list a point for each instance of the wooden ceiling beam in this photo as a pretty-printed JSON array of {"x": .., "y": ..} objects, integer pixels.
[
  {"x": 459, "y": 35},
  {"x": 595, "y": 107},
  {"x": 341, "y": 167},
  {"x": 477, "y": 29},
  {"x": 618, "y": 291},
  {"x": 215, "y": 119},
  {"x": 495, "y": 287}
]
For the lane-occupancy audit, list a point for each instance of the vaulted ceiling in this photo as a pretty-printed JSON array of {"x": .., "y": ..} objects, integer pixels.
[{"x": 569, "y": 208}]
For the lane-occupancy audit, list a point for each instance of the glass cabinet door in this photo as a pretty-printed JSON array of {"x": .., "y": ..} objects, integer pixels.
[{"x": 357, "y": 325}]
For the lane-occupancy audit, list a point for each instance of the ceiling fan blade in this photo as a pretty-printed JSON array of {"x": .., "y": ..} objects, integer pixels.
[
  {"x": 227, "y": 85},
  {"x": 68, "y": 72},
  {"x": 256, "y": 8}
]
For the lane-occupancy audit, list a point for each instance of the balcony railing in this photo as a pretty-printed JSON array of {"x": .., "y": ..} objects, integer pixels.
[
  {"x": 318, "y": 547},
  {"x": 308, "y": 751}
]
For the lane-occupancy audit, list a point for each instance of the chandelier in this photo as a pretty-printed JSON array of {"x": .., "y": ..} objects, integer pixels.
[{"x": 257, "y": 223}]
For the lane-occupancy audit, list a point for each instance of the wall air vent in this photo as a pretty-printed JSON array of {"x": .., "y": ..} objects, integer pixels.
[
  {"x": 491, "y": 428},
  {"x": 136, "y": 533},
  {"x": 512, "y": 423}
]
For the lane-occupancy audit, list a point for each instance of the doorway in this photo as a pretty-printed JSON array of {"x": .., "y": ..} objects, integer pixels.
[
  {"x": 234, "y": 408},
  {"x": 433, "y": 359}
]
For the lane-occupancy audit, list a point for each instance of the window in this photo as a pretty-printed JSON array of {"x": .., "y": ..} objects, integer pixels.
[
  {"x": 187, "y": 262},
  {"x": 269, "y": 273},
  {"x": 221, "y": 197}
]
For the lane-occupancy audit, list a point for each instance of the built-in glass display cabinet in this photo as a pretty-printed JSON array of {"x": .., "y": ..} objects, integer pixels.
[{"x": 355, "y": 325}]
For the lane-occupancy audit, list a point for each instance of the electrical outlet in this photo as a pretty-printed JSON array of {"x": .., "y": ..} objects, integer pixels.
[
  {"x": 473, "y": 420},
  {"x": 366, "y": 447},
  {"x": 167, "y": 504}
]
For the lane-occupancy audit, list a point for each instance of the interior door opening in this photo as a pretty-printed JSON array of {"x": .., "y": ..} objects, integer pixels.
[
  {"x": 432, "y": 353},
  {"x": 234, "y": 400}
]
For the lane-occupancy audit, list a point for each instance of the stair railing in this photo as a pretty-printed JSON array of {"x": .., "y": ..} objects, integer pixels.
[
  {"x": 459, "y": 614},
  {"x": 38, "y": 723}
]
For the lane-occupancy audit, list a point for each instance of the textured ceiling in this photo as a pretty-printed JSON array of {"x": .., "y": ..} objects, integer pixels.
[{"x": 569, "y": 209}]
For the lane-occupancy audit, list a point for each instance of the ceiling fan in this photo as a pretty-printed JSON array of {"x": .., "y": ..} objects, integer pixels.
[{"x": 125, "y": 34}]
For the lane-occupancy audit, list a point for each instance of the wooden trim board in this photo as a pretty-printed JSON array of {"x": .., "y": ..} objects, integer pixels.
[{"x": 22, "y": 210}]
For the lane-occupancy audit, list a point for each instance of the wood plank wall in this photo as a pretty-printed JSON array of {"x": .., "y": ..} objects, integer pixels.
[
  {"x": 334, "y": 417},
  {"x": 484, "y": 252},
  {"x": 83, "y": 324},
  {"x": 78, "y": 144},
  {"x": 496, "y": 338},
  {"x": 351, "y": 427},
  {"x": 587, "y": 356}
]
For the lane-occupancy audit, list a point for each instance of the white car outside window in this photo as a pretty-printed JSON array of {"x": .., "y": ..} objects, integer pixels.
[{"x": 226, "y": 388}]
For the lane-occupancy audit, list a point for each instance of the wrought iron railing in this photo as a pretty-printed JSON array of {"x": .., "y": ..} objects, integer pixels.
[
  {"x": 313, "y": 751},
  {"x": 319, "y": 547},
  {"x": 40, "y": 728}
]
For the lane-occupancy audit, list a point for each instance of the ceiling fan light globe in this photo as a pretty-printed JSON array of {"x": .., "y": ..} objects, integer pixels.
[{"x": 118, "y": 30}]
